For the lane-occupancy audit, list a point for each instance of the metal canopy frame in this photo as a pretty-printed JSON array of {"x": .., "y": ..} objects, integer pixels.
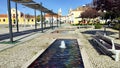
[
  {"x": 23, "y": 1},
  {"x": 34, "y": 5},
  {"x": 30, "y": 4}
]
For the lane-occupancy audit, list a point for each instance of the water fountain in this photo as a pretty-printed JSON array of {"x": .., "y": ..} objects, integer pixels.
[
  {"x": 63, "y": 53},
  {"x": 62, "y": 45}
]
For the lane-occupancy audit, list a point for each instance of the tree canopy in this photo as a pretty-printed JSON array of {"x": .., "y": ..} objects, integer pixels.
[
  {"x": 39, "y": 18},
  {"x": 90, "y": 13},
  {"x": 111, "y": 6}
]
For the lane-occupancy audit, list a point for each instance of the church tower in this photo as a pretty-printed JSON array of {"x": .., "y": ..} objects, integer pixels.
[{"x": 60, "y": 12}]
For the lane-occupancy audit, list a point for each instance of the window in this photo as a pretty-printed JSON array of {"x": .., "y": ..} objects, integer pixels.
[
  {"x": 14, "y": 21},
  {"x": 28, "y": 20},
  {"x": 3, "y": 20},
  {"x": 32, "y": 20},
  {"x": 13, "y": 15}
]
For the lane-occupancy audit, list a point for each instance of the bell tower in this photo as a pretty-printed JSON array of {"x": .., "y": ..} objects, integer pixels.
[{"x": 60, "y": 12}]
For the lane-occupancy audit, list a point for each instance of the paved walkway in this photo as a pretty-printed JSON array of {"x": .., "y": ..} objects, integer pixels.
[
  {"x": 17, "y": 56},
  {"x": 19, "y": 37},
  {"x": 97, "y": 59}
]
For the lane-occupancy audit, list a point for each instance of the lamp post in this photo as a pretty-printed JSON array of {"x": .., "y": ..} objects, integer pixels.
[
  {"x": 24, "y": 18},
  {"x": 42, "y": 21},
  {"x": 60, "y": 20},
  {"x": 105, "y": 23},
  {"x": 57, "y": 20},
  {"x": 35, "y": 19},
  {"x": 52, "y": 19},
  {"x": 119, "y": 28},
  {"x": 17, "y": 18}
]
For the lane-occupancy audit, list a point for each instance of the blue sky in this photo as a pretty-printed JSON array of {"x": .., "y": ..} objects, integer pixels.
[{"x": 65, "y": 5}]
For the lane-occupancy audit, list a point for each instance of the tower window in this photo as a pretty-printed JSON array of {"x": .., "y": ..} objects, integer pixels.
[
  {"x": 13, "y": 15},
  {"x": 28, "y": 20},
  {"x": 3, "y": 20},
  {"x": 32, "y": 20}
]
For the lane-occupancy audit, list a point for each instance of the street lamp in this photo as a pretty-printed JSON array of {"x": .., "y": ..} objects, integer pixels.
[
  {"x": 119, "y": 28},
  {"x": 105, "y": 23},
  {"x": 24, "y": 18}
]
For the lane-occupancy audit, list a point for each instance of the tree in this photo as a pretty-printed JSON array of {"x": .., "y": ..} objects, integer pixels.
[
  {"x": 38, "y": 18},
  {"x": 90, "y": 13},
  {"x": 111, "y": 6}
]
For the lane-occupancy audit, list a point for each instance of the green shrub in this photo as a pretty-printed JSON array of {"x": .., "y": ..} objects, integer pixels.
[
  {"x": 116, "y": 26},
  {"x": 98, "y": 26}
]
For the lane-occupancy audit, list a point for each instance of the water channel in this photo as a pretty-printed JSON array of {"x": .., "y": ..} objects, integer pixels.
[{"x": 57, "y": 57}]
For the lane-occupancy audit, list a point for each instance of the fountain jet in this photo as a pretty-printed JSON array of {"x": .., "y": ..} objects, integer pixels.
[{"x": 62, "y": 45}]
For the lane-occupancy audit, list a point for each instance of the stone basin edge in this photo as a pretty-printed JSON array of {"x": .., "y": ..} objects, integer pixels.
[
  {"x": 35, "y": 57},
  {"x": 85, "y": 57}
]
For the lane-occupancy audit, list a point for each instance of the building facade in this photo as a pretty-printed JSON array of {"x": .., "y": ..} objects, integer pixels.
[
  {"x": 49, "y": 17},
  {"x": 22, "y": 18},
  {"x": 74, "y": 15}
]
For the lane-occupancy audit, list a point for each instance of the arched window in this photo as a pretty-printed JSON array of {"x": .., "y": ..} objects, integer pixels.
[
  {"x": 13, "y": 15},
  {"x": 28, "y": 20},
  {"x": 3, "y": 20},
  {"x": 32, "y": 20}
]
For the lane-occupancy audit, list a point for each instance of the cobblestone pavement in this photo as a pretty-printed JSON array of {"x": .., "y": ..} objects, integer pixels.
[
  {"x": 17, "y": 56},
  {"x": 99, "y": 60}
]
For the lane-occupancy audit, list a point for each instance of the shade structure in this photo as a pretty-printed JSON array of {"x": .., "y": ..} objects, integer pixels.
[
  {"x": 24, "y": 1},
  {"x": 34, "y": 5},
  {"x": 37, "y": 6}
]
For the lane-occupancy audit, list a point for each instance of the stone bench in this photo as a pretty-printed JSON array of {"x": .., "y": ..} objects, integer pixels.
[{"x": 107, "y": 44}]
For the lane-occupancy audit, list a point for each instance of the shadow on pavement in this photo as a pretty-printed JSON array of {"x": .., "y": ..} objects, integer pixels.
[
  {"x": 15, "y": 34},
  {"x": 99, "y": 49}
]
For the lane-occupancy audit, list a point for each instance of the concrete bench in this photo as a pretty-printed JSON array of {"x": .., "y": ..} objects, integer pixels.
[{"x": 107, "y": 44}]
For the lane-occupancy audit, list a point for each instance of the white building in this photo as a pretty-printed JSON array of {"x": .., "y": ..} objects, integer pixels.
[{"x": 74, "y": 15}]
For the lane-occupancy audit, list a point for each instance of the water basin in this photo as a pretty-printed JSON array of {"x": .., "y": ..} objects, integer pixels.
[{"x": 56, "y": 57}]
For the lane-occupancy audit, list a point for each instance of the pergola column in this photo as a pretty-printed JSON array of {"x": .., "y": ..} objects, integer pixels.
[
  {"x": 17, "y": 25},
  {"x": 10, "y": 21}
]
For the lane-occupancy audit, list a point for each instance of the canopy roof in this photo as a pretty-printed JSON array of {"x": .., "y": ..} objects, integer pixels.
[
  {"x": 34, "y": 5},
  {"x": 24, "y": 1}
]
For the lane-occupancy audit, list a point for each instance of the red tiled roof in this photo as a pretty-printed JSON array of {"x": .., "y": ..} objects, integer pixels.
[
  {"x": 3, "y": 15},
  {"x": 48, "y": 15},
  {"x": 29, "y": 16}
]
